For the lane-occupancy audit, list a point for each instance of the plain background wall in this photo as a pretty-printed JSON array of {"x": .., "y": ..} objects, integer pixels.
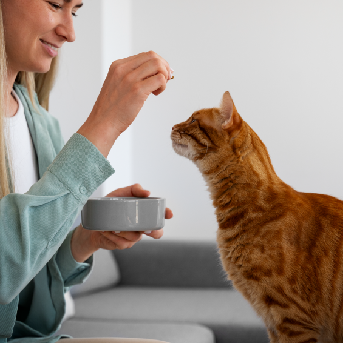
[
  {"x": 281, "y": 62},
  {"x": 103, "y": 35}
]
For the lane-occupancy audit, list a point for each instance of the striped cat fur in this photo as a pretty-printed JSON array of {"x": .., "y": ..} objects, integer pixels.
[{"x": 282, "y": 249}]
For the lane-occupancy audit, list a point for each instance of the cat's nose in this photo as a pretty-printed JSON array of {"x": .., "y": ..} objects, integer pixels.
[{"x": 173, "y": 128}]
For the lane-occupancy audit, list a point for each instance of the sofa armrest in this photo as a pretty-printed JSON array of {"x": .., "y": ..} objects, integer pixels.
[{"x": 169, "y": 263}]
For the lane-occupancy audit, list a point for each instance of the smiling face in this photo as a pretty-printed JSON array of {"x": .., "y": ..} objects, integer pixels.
[{"x": 28, "y": 23}]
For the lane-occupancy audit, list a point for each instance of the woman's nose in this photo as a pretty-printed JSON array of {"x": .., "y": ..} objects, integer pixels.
[{"x": 66, "y": 29}]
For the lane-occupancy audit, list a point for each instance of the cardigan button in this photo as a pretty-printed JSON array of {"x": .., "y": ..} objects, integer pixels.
[{"x": 83, "y": 190}]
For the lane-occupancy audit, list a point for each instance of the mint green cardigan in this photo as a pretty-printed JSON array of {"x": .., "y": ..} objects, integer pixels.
[{"x": 35, "y": 228}]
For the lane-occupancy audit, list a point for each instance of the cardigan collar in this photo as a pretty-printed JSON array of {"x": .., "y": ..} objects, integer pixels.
[{"x": 37, "y": 126}]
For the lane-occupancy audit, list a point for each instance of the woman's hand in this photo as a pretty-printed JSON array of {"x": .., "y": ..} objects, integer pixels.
[
  {"x": 127, "y": 86},
  {"x": 85, "y": 242}
]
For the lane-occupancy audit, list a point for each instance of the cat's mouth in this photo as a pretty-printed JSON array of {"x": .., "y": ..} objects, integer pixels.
[{"x": 179, "y": 145}]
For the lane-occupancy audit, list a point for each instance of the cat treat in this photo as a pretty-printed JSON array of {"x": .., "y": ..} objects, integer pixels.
[{"x": 282, "y": 249}]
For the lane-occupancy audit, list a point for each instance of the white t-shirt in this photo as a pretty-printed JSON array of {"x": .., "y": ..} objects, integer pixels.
[{"x": 24, "y": 159}]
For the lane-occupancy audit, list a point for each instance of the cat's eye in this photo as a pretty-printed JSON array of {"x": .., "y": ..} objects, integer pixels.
[{"x": 193, "y": 121}]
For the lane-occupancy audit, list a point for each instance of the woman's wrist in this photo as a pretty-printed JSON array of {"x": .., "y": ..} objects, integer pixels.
[
  {"x": 80, "y": 245},
  {"x": 99, "y": 133}
]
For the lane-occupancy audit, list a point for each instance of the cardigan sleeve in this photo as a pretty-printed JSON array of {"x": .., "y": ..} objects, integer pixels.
[{"x": 34, "y": 225}]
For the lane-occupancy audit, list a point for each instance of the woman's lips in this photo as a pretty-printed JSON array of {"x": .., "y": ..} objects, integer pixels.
[{"x": 51, "y": 51}]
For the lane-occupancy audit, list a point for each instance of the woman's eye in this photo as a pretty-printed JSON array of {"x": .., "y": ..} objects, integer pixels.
[{"x": 56, "y": 6}]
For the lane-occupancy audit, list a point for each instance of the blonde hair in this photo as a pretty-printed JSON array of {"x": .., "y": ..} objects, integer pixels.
[{"x": 41, "y": 84}]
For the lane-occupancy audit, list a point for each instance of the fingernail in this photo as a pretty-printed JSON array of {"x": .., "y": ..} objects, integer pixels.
[
  {"x": 147, "y": 231},
  {"x": 172, "y": 70},
  {"x": 116, "y": 231}
]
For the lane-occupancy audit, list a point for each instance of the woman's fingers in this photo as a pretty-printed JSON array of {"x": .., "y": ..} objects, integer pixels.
[
  {"x": 129, "y": 236},
  {"x": 156, "y": 234},
  {"x": 151, "y": 68},
  {"x": 135, "y": 190},
  {"x": 144, "y": 57},
  {"x": 169, "y": 213},
  {"x": 159, "y": 91},
  {"x": 147, "y": 63},
  {"x": 121, "y": 192},
  {"x": 138, "y": 191},
  {"x": 122, "y": 240},
  {"x": 154, "y": 84}
]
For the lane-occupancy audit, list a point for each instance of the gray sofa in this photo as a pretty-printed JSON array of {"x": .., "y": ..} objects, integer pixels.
[{"x": 174, "y": 291}]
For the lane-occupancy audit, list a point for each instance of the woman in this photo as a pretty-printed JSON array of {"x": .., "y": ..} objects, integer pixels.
[{"x": 44, "y": 183}]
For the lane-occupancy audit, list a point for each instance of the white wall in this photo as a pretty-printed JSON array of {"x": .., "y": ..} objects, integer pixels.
[
  {"x": 83, "y": 68},
  {"x": 281, "y": 62},
  {"x": 79, "y": 79},
  {"x": 116, "y": 44}
]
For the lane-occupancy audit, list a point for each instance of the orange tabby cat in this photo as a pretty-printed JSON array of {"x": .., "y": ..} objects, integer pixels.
[{"x": 282, "y": 249}]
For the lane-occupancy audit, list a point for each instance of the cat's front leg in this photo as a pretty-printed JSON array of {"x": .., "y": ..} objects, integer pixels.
[{"x": 272, "y": 336}]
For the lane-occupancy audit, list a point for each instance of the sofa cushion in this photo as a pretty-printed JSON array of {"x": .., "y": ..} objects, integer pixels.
[
  {"x": 224, "y": 311},
  {"x": 105, "y": 273},
  {"x": 168, "y": 263},
  {"x": 168, "y": 332}
]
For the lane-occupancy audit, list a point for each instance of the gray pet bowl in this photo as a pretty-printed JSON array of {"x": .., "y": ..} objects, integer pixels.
[{"x": 124, "y": 214}]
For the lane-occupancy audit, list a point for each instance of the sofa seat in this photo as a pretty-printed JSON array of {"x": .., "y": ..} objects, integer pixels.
[
  {"x": 173, "y": 291},
  {"x": 163, "y": 331},
  {"x": 224, "y": 311}
]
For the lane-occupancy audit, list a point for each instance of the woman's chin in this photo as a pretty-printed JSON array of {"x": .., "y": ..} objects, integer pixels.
[{"x": 41, "y": 68}]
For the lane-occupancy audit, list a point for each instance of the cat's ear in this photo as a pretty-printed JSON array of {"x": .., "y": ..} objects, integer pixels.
[{"x": 227, "y": 108}]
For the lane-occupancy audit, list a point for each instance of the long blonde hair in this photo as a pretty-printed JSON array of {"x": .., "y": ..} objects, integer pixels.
[{"x": 42, "y": 84}]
